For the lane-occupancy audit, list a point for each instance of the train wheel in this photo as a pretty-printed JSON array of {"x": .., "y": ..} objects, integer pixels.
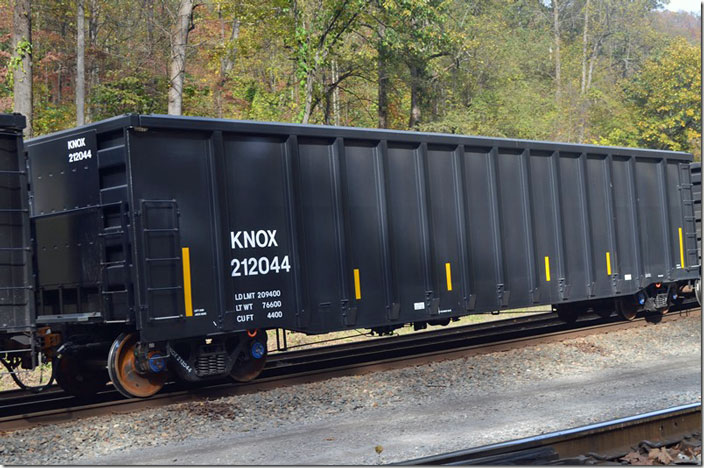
[
  {"x": 123, "y": 371},
  {"x": 626, "y": 309},
  {"x": 76, "y": 377},
  {"x": 251, "y": 362}
]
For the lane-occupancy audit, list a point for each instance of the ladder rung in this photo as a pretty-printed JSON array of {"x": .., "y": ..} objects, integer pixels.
[
  {"x": 16, "y": 351},
  {"x": 160, "y": 230},
  {"x": 163, "y": 259},
  {"x": 13, "y": 210},
  {"x": 106, "y": 234},
  {"x": 121, "y": 291},
  {"x": 13, "y": 172},
  {"x": 170, "y": 317},
  {"x": 154, "y": 202},
  {"x": 167, "y": 288},
  {"x": 26, "y": 249}
]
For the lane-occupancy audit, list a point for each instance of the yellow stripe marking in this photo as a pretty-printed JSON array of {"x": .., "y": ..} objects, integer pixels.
[
  {"x": 608, "y": 263},
  {"x": 186, "y": 259},
  {"x": 547, "y": 269},
  {"x": 681, "y": 250},
  {"x": 448, "y": 275},
  {"x": 357, "y": 287}
]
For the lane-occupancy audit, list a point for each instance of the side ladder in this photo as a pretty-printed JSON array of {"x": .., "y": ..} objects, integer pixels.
[{"x": 162, "y": 267}]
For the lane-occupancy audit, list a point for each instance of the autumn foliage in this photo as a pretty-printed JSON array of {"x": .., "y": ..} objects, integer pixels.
[{"x": 629, "y": 73}]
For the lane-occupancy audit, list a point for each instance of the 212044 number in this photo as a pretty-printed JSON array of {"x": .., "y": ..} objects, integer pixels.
[{"x": 259, "y": 266}]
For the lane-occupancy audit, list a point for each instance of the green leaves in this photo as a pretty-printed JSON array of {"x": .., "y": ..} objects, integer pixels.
[
  {"x": 22, "y": 50},
  {"x": 138, "y": 93},
  {"x": 664, "y": 101},
  {"x": 461, "y": 66}
]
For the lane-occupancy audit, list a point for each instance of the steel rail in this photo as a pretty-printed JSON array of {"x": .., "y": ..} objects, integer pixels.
[
  {"x": 302, "y": 357},
  {"x": 287, "y": 370},
  {"x": 609, "y": 439},
  {"x": 398, "y": 342},
  {"x": 299, "y": 356}
]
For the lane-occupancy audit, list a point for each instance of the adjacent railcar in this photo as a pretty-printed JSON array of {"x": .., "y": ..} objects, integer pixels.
[
  {"x": 17, "y": 332},
  {"x": 170, "y": 244}
]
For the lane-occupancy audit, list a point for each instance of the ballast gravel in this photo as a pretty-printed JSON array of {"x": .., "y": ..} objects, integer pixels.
[{"x": 395, "y": 415}]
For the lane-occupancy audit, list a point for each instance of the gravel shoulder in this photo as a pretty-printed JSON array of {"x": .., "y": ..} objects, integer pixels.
[{"x": 409, "y": 412}]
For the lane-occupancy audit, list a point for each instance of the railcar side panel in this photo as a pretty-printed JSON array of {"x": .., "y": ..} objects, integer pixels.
[
  {"x": 312, "y": 165},
  {"x": 513, "y": 232},
  {"x": 483, "y": 266},
  {"x": 363, "y": 242},
  {"x": 601, "y": 231},
  {"x": 236, "y": 225},
  {"x": 174, "y": 232},
  {"x": 407, "y": 210},
  {"x": 577, "y": 261},
  {"x": 545, "y": 227},
  {"x": 445, "y": 218}
]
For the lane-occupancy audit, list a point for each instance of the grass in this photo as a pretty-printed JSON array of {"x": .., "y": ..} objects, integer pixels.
[{"x": 37, "y": 376}]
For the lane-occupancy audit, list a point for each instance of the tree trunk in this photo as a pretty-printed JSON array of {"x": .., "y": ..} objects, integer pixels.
[
  {"x": 585, "y": 41},
  {"x": 308, "y": 90},
  {"x": 92, "y": 61},
  {"x": 177, "y": 67},
  {"x": 59, "y": 84},
  {"x": 295, "y": 87},
  {"x": 556, "y": 31},
  {"x": 217, "y": 95},
  {"x": 22, "y": 75},
  {"x": 591, "y": 65},
  {"x": 227, "y": 61},
  {"x": 327, "y": 98},
  {"x": 415, "y": 113},
  {"x": 150, "y": 25},
  {"x": 335, "y": 94},
  {"x": 80, "y": 63},
  {"x": 383, "y": 85}
]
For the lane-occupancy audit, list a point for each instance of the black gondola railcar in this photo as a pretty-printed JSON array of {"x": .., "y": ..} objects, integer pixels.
[{"x": 171, "y": 243}]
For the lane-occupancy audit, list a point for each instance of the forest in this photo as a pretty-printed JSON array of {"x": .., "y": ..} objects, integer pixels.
[{"x": 612, "y": 72}]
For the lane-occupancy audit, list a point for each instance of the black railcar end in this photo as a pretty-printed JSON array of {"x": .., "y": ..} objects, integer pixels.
[{"x": 20, "y": 340}]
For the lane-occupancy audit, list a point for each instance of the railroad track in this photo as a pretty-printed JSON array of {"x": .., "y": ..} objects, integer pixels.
[
  {"x": 603, "y": 441},
  {"x": 295, "y": 367}
]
